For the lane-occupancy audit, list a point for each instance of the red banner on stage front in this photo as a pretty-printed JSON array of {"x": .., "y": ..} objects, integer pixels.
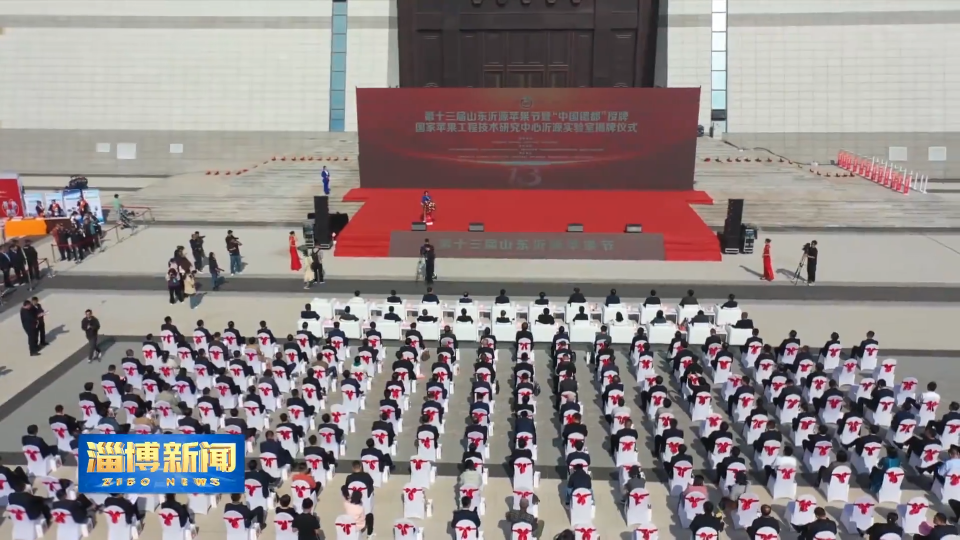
[{"x": 516, "y": 138}]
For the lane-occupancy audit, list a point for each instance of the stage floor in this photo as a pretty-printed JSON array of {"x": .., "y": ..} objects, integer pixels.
[{"x": 686, "y": 236}]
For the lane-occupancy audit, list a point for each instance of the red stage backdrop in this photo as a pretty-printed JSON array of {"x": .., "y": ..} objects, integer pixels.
[{"x": 516, "y": 138}]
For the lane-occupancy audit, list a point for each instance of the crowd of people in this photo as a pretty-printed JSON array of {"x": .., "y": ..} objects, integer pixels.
[{"x": 23, "y": 262}]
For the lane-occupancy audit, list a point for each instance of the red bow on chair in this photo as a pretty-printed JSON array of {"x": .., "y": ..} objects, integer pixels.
[
  {"x": 114, "y": 516},
  {"x": 581, "y": 498},
  {"x": 930, "y": 454},
  {"x": 357, "y": 489},
  {"x": 252, "y": 410},
  {"x": 646, "y": 363},
  {"x": 234, "y": 522},
  {"x": 792, "y": 403},
  {"x": 284, "y": 524},
  {"x": 723, "y": 446},
  {"x": 168, "y": 518},
  {"x": 205, "y": 410},
  {"x": 870, "y": 351},
  {"x": 850, "y": 366},
  {"x": 251, "y": 356},
  {"x": 759, "y": 423},
  {"x": 787, "y": 474},
  {"x": 714, "y": 421},
  {"x": 300, "y": 490},
  {"x": 148, "y": 354},
  {"x": 842, "y": 477},
  {"x": 372, "y": 464},
  {"x": 525, "y": 438},
  {"x": 745, "y": 504},
  {"x": 149, "y": 387},
  {"x": 61, "y": 432},
  {"x": 522, "y": 467},
  {"x": 866, "y": 386},
  {"x": 586, "y": 534},
  {"x": 647, "y": 533},
  {"x": 313, "y": 463},
  {"x": 479, "y": 416},
  {"x": 430, "y": 414},
  {"x": 658, "y": 400},
  {"x": 754, "y": 349},
  {"x": 131, "y": 371},
  {"x": 819, "y": 383},
  {"x": 404, "y": 528},
  {"x": 638, "y": 497},
  {"x": 834, "y": 402},
  {"x": 412, "y": 492},
  {"x": 267, "y": 461},
  {"x": 60, "y": 517},
  {"x": 347, "y": 528},
  {"x": 17, "y": 513},
  {"x": 349, "y": 394},
  {"x": 686, "y": 363},
  {"x": 706, "y": 536},
  {"x": 441, "y": 375},
  {"x": 395, "y": 392},
  {"x": 681, "y": 471},
  {"x": 184, "y": 355},
  {"x": 285, "y": 434},
  {"x": 381, "y": 437},
  {"x": 291, "y": 356},
  {"x": 336, "y": 415},
  {"x": 108, "y": 389},
  {"x": 465, "y": 531},
  {"x": 674, "y": 447},
  {"x": 167, "y": 338},
  {"x": 702, "y": 399},
  {"x": 854, "y": 426},
  {"x": 777, "y": 386},
  {"x": 693, "y": 501},
  {"x": 626, "y": 446},
  {"x": 32, "y": 454},
  {"x": 954, "y": 479},
  {"x": 745, "y": 401},
  {"x": 791, "y": 351},
  {"x": 916, "y": 508},
  {"x": 427, "y": 442},
  {"x": 762, "y": 536},
  {"x": 724, "y": 364},
  {"x": 328, "y": 356},
  {"x": 864, "y": 508},
  {"x": 805, "y": 504},
  {"x": 522, "y": 534},
  {"x": 805, "y": 424},
  {"x": 524, "y": 345},
  {"x": 771, "y": 449},
  {"x": 468, "y": 492},
  {"x": 327, "y": 436},
  {"x": 418, "y": 463},
  {"x": 931, "y": 405}
]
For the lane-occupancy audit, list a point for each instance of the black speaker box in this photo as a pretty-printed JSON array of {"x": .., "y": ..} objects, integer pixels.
[
  {"x": 731, "y": 226},
  {"x": 321, "y": 221}
]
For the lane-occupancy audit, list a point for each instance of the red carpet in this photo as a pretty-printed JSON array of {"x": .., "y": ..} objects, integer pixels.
[{"x": 686, "y": 236}]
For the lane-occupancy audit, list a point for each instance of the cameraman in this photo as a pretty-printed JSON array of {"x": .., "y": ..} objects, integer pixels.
[
  {"x": 429, "y": 256},
  {"x": 810, "y": 254}
]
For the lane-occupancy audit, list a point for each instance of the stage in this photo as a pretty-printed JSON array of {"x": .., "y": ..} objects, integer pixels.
[{"x": 668, "y": 213}]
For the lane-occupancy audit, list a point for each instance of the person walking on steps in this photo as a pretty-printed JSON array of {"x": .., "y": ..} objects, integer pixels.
[{"x": 91, "y": 328}]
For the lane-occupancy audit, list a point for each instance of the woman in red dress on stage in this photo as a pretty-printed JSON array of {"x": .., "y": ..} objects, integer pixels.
[
  {"x": 767, "y": 261},
  {"x": 295, "y": 264}
]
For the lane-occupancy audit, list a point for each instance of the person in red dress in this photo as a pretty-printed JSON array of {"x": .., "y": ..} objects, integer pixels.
[
  {"x": 295, "y": 264},
  {"x": 767, "y": 261}
]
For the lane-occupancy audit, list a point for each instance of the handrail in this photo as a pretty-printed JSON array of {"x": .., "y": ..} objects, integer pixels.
[{"x": 116, "y": 228}]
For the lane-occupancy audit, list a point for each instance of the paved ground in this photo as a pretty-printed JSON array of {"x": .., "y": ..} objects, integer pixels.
[{"x": 889, "y": 259}]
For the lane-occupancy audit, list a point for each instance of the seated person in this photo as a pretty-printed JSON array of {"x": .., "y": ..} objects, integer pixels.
[
  {"x": 744, "y": 321},
  {"x": 426, "y": 317},
  {"x": 503, "y": 319},
  {"x": 542, "y": 300},
  {"x": 582, "y": 315},
  {"x": 577, "y": 297},
  {"x": 430, "y": 297},
  {"x": 170, "y": 501},
  {"x": 523, "y": 515},
  {"x": 347, "y": 316},
  {"x": 465, "y": 299},
  {"x": 578, "y": 478},
  {"x": 700, "y": 318},
  {"x": 464, "y": 317},
  {"x": 391, "y": 316},
  {"x": 619, "y": 319},
  {"x": 659, "y": 319},
  {"x": 309, "y": 313},
  {"x": 730, "y": 303},
  {"x": 689, "y": 299},
  {"x": 465, "y": 515},
  {"x": 503, "y": 298},
  {"x": 546, "y": 317},
  {"x": 612, "y": 298},
  {"x": 393, "y": 298}
]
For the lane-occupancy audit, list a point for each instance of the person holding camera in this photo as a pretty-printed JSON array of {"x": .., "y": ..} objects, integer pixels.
[
  {"x": 810, "y": 253},
  {"x": 429, "y": 256}
]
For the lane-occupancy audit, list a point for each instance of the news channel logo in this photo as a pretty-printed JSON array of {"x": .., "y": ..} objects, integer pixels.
[{"x": 156, "y": 464}]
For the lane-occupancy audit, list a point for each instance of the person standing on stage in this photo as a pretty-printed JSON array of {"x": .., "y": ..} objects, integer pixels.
[
  {"x": 811, "y": 256},
  {"x": 429, "y": 255},
  {"x": 41, "y": 324},
  {"x": 325, "y": 176},
  {"x": 767, "y": 261},
  {"x": 28, "y": 319},
  {"x": 91, "y": 329},
  {"x": 295, "y": 264}
]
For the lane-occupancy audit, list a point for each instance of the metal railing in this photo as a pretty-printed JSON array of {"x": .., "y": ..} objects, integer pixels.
[
  {"x": 137, "y": 219},
  {"x": 31, "y": 283}
]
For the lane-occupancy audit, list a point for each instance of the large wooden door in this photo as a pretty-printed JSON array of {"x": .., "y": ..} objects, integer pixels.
[{"x": 527, "y": 43}]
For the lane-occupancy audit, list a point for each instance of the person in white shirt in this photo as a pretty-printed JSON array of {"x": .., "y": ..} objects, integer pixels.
[
  {"x": 930, "y": 396},
  {"x": 784, "y": 460},
  {"x": 357, "y": 299}
]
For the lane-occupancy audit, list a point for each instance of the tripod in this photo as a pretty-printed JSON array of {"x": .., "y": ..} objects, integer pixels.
[{"x": 796, "y": 275}]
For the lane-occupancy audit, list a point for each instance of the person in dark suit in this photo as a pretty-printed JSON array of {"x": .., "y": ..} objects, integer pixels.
[
  {"x": 393, "y": 298},
  {"x": 347, "y": 316},
  {"x": 79, "y": 508},
  {"x": 546, "y": 317},
  {"x": 858, "y": 350},
  {"x": 659, "y": 319},
  {"x": 689, "y": 299},
  {"x": 542, "y": 300},
  {"x": 465, "y": 299},
  {"x": 35, "y": 506},
  {"x": 309, "y": 313},
  {"x": 465, "y": 515},
  {"x": 699, "y": 318},
  {"x": 821, "y": 523},
  {"x": 170, "y": 502},
  {"x": 31, "y": 327},
  {"x": 502, "y": 298},
  {"x": 272, "y": 445},
  {"x": 237, "y": 505},
  {"x": 429, "y": 297},
  {"x": 653, "y": 299},
  {"x": 745, "y": 321},
  {"x": 730, "y": 303},
  {"x": 577, "y": 297},
  {"x": 581, "y": 316},
  {"x": 879, "y": 530},
  {"x": 41, "y": 323},
  {"x": 464, "y": 317},
  {"x": 765, "y": 519},
  {"x": 129, "y": 509},
  {"x": 708, "y": 519},
  {"x": 33, "y": 439},
  {"x": 940, "y": 529},
  {"x": 390, "y": 315},
  {"x": 426, "y": 317},
  {"x": 612, "y": 298}
]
